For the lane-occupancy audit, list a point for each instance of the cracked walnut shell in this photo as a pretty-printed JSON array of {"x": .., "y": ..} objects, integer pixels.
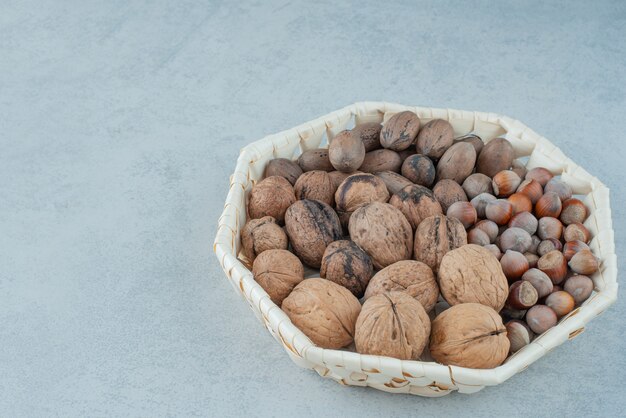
[
  {"x": 278, "y": 272},
  {"x": 262, "y": 234},
  {"x": 271, "y": 197},
  {"x": 315, "y": 185}
]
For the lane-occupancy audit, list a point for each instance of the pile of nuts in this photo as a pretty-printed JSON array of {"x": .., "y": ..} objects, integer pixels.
[{"x": 428, "y": 246}]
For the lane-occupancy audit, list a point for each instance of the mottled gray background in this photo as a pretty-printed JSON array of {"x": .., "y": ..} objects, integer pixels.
[{"x": 121, "y": 121}]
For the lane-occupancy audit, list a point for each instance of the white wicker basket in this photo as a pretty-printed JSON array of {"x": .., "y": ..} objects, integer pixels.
[{"x": 389, "y": 374}]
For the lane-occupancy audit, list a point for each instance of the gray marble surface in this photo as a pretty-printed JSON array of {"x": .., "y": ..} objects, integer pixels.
[{"x": 120, "y": 122}]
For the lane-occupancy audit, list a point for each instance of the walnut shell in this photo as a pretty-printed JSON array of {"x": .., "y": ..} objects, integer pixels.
[
  {"x": 284, "y": 168},
  {"x": 473, "y": 274},
  {"x": 346, "y": 152},
  {"x": 392, "y": 324},
  {"x": 383, "y": 232},
  {"x": 400, "y": 131},
  {"x": 457, "y": 163},
  {"x": 448, "y": 192},
  {"x": 394, "y": 181},
  {"x": 262, "y": 234},
  {"x": 497, "y": 155},
  {"x": 315, "y": 185},
  {"x": 412, "y": 277},
  {"x": 324, "y": 311},
  {"x": 359, "y": 190},
  {"x": 381, "y": 160},
  {"x": 346, "y": 264},
  {"x": 435, "y": 138},
  {"x": 315, "y": 159},
  {"x": 469, "y": 335},
  {"x": 416, "y": 203},
  {"x": 435, "y": 236},
  {"x": 271, "y": 197},
  {"x": 278, "y": 272},
  {"x": 369, "y": 133},
  {"x": 311, "y": 225}
]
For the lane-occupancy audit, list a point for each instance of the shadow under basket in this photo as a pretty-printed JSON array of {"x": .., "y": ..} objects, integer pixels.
[{"x": 389, "y": 374}]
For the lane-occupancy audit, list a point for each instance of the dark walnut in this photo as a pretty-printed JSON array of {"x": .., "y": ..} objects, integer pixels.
[
  {"x": 457, "y": 163},
  {"x": 381, "y": 160},
  {"x": 469, "y": 335},
  {"x": 448, "y": 192},
  {"x": 497, "y": 155},
  {"x": 346, "y": 264},
  {"x": 473, "y": 274},
  {"x": 356, "y": 191},
  {"x": 311, "y": 225},
  {"x": 324, "y": 311},
  {"x": 419, "y": 169},
  {"x": 315, "y": 185},
  {"x": 392, "y": 324},
  {"x": 262, "y": 234},
  {"x": 271, "y": 197},
  {"x": 383, "y": 232},
  {"x": 283, "y": 167},
  {"x": 399, "y": 131},
  {"x": 346, "y": 152},
  {"x": 278, "y": 272},
  {"x": 369, "y": 133},
  {"x": 416, "y": 203},
  {"x": 394, "y": 181},
  {"x": 315, "y": 159},
  {"x": 412, "y": 277},
  {"x": 435, "y": 236},
  {"x": 435, "y": 138}
]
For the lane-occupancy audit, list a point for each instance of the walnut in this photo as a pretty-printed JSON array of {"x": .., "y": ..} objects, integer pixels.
[
  {"x": 311, "y": 225},
  {"x": 383, "y": 232},
  {"x": 457, "y": 163},
  {"x": 315, "y": 159},
  {"x": 435, "y": 138},
  {"x": 381, "y": 160},
  {"x": 271, "y": 197},
  {"x": 359, "y": 190},
  {"x": 473, "y": 274},
  {"x": 315, "y": 185},
  {"x": 469, "y": 335},
  {"x": 416, "y": 203},
  {"x": 346, "y": 152},
  {"x": 262, "y": 234},
  {"x": 392, "y": 324},
  {"x": 278, "y": 272},
  {"x": 435, "y": 236},
  {"x": 448, "y": 192},
  {"x": 324, "y": 311},
  {"x": 413, "y": 277},
  {"x": 400, "y": 131},
  {"x": 284, "y": 168},
  {"x": 369, "y": 133},
  {"x": 346, "y": 264}
]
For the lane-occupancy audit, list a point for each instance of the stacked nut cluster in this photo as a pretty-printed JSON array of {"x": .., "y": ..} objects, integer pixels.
[{"x": 427, "y": 245}]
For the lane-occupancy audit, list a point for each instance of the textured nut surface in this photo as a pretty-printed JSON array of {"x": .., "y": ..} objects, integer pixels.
[
  {"x": 497, "y": 155},
  {"x": 381, "y": 160},
  {"x": 315, "y": 185},
  {"x": 392, "y": 324},
  {"x": 324, "y": 311},
  {"x": 346, "y": 264},
  {"x": 346, "y": 152},
  {"x": 416, "y": 203},
  {"x": 359, "y": 190},
  {"x": 271, "y": 197},
  {"x": 315, "y": 159},
  {"x": 337, "y": 177},
  {"x": 369, "y": 133},
  {"x": 400, "y": 131},
  {"x": 262, "y": 234},
  {"x": 413, "y": 277},
  {"x": 476, "y": 184},
  {"x": 278, "y": 272},
  {"x": 419, "y": 169},
  {"x": 284, "y": 168},
  {"x": 469, "y": 335},
  {"x": 448, "y": 192},
  {"x": 435, "y": 236},
  {"x": 457, "y": 163},
  {"x": 383, "y": 232},
  {"x": 472, "y": 274},
  {"x": 394, "y": 181},
  {"x": 311, "y": 225},
  {"x": 435, "y": 138}
]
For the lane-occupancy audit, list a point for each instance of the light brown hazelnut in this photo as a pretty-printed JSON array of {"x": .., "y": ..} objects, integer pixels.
[
  {"x": 548, "y": 205},
  {"x": 573, "y": 211},
  {"x": 497, "y": 155},
  {"x": 522, "y": 295},
  {"x": 419, "y": 169},
  {"x": 562, "y": 189},
  {"x": 399, "y": 132},
  {"x": 572, "y": 247},
  {"x": 548, "y": 245},
  {"x": 519, "y": 168},
  {"x": 519, "y": 335},
  {"x": 435, "y": 236},
  {"x": 532, "y": 189},
  {"x": 357, "y": 191},
  {"x": 580, "y": 287},
  {"x": 505, "y": 183},
  {"x": 416, "y": 203},
  {"x": 457, "y": 163},
  {"x": 532, "y": 259},
  {"x": 464, "y": 212},
  {"x": 480, "y": 204},
  {"x": 394, "y": 181},
  {"x": 489, "y": 227},
  {"x": 525, "y": 221},
  {"x": 315, "y": 159},
  {"x": 315, "y": 185},
  {"x": 346, "y": 264},
  {"x": 346, "y": 152},
  {"x": 554, "y": 265},
  {"x": 478, "y": 237},
  {"x": 381, "y": 160},
  {"x": 283, "y": 167},
  {"x": 499, "y": 211},
  {"x": 514, "y": 265},
  {"x": 493, "y": 249},
  {"x": 262, "y": 234},
  {"x": 560, "y": 302},
  {"x": 476, "y": 184},
  {"x": 540, "y": 318},
  {"x": 549, "y": 227},
  {"x": 278, "y": 272},
  {"x": 540, "y": 175},
  {"x": 576, "y": 232},
  {"x": 540, "y": 281},
  {"x": 447, "y": 192},
  {"x": 534, "y": 244},
  {"x": 515, "y": 239},
  {"x": 521, "y": 203},
  {"x": 435, "y": 138},
  {"x": 271, "y": 197},
  {"x": 369, "y": 133},
  {"x": 584, "y": 262}
]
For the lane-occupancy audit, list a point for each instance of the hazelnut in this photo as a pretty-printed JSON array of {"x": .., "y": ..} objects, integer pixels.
[
  {"x": 505, "y": 183},
  {"x": 412, "y": 277},
  {"x": 520, "y": 202},
  {"x": 554, "y": 265},
  {"x": 469, "y": 335},
  {"x": 392, "y": 324},
  {"x": 572, "y": 247},
  {"x": 419, "y": 169},
  {"x": 369, "y": 133},
  {"x": 383, "y": 232},
  {"x": 540, "y": 318},
  {"x": 535, "y": 241},
  {"x": 357, "y": 191},
  {"x": 435, "y": 138},
  {"x": 283, "y": 167},
  {"x": 324, "y": 311},
  {"x": 548, "y": 245},
  {"x": 475, "y": 140},
  {"x": 472, "y": 274},
  {"x": 346, "y": 152},
  {"x": 457, "y": 163},
  {"x": 514, "y": 265},
  {"x": 562, "y": 189},
  {"x": 399, "y": 131},
  {"x": 416, "y": 203},
  {"x": 480, "y": 203},
  {"x": 532, "y": 259},
  {"x": 519, "y": 168},
  {"x": 271, "y": 197},
  {"x": 464, "y": 212},
  {"x": 394, "y": 181},
  {"x": 580, "y": 287},
  {"x": 525, "y": 221},
  {"x": 576, "y": 232},
  {"x": 508, "y": 313},
  {"x": 522, "y": 295},
  {"x": 540, "y": 281},
  {"x": 489, "y": 227},
  {"x": 499, "y": 211},
  {"x": 435, "y": 236},
  {"x": 478, "y": 237},
  {"x": 497, "y": 155},
  {"x": 515, "y": 239},
  {"x": 584, "y": 262},
  {"x": 315, "y": 159},
  {"x": 315, "y": 185},
  {"x": 476, "y": 184},
  {"x": 549, "y": 227},
  {"x": 262, "y": 234},
  {"x": 540, "y": 175},
  {"x": 548, "y": 205},
  {"x": 519, "y": 335},
  {"x": 493, "y": 249},
  {"x": 347, "y": 265},
  {"x": 447, "y": 192},
  {"x": 278, "y": 272},
  {"x": 532, "y": 189},
  {"x": 381, "y": 160},
  {"x": 573, "y": 211},
  {"x": 560, "y": 302}
]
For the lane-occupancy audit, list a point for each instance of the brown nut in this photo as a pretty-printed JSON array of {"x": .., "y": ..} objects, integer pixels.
[
  {"x": 324, "y": 311},
  {"x": 505, "y": 183},
  {"x": 540, "y": 175},
  {"x": 464, "y": 212},
  {"x": 548, "y": 205},
  {"x": 469, "y": 335},
  {"x": 520, "y": 203},
  {"x": 554, "y": 265},
  {"x": 476, "y": 184},
  {"x": 522, "y": 295},
  {"x": 480, "y": 203},
  {"x": 493, "y": 249},
  {"x": 416, "y": 203},
  {"x": 311, "y": 225},
  {"x": 584, "y": 262},
  {"x": 532, "y": 259},
  {"x": 519, "y": 168},
  {"x": 369, "y": 133},
  {"x": 475, "y": 140},
  {"x": 262, "y": 234},
  {"x": 392, "y": 324},
  {"x": 515, "y": 239},
  {"x": 412, "y": 277},
  {"x": 507, "y": 313},
  {"x": 399, "y": 132},
  {"x": 346, "y": 264},
  {"x": 572, "y": 247},
  {"x": 435, "y": 138},
  {"x": 315, "y": 185},
  {"x": 499, "y": 211},
  {"x": 457, "y": 163},
  {"x": 489, "y": 227},
  {"x": 394, "y": 181},
  {"x": 381, "y": 160},
  {"x": 278, "y": 272},
  {"x": 576, "y": 232},
  {"x": 406, "y": 153},
  {"x": 535, "y": 244},
  {"x": 346, "y": 152},
  {"x": 337, "y": 177},
  {"x": 435, "y": 236},
  {"x": 540, "y": 281},
  {"x": 525, "y": 221},
  {"x": 514, "y": 265},
  {"x": 548, "y": 245},
  {"x": 447, "y": 192},
  {"x": 419, "y": 169},
  {"x": 478, "y": 237},
  {"x": 519, "y": 335},
  {"x": 357, "y": 191},
  {"x": 497, "y": 155},
  {"x": 382, "y": 232},
  {"x": 271, "y": 197},
  {"x": 540, "y": 318},
  {"x": 580, "y": 287},
  {"x": 573, "y": 211},
  {"x": 315, "y": 159},
  {"x": 560, "y": 302},
  {"x": 549, "y": 227},
  {"x": 532, "y": 189},
  {"x": 472, "y": 274},
  {"x": 283, "y": 167},
  {"x": 562, "y": 189}
]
